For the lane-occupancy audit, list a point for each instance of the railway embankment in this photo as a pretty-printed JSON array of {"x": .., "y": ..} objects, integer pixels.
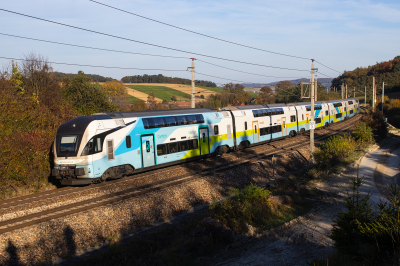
[{"x": 116, "y": 226}]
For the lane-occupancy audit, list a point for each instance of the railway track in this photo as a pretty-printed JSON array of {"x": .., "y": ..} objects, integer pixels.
[{"x": 233, "y": 160}]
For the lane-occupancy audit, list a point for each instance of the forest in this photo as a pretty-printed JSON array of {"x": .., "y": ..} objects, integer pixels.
[
  {"x": 162, "y": 79},
  {"x": 388, "y": 72}
]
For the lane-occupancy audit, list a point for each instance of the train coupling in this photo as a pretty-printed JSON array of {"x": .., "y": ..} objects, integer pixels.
[{"x": 67, "y": 171}]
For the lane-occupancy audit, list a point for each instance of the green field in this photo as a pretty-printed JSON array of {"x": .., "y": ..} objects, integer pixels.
[
  {"x": 133, "y": 99},
  {"x": 162, "y": 92}
]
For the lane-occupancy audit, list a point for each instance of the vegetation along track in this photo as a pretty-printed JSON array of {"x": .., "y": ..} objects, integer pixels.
[{"x": 106, "y": 195}]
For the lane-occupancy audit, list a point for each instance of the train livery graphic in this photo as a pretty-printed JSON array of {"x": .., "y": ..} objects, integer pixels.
[{"x": 94, "y": 148}]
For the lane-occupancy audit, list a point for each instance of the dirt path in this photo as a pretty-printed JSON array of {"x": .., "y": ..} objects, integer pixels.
[{"x": 306, "y": 238}]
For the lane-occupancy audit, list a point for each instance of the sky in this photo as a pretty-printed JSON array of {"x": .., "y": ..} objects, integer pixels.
[{"x": 339, "y": 35}]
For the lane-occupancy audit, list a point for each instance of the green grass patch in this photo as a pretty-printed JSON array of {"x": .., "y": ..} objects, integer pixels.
[
  {"x": 161, "y": 92},
  {"x": 133, "y": 99}
]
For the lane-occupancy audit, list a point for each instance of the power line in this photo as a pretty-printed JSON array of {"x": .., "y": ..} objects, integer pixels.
[
  {"x": 89, "y": 47},
  {"x": 327, "y": 67},
  {"x": 155, "y": 45},
  {"x": 69, "y": 64},
  {"x": 194, "y": 32},
  {"x": 241, "y": 71}
]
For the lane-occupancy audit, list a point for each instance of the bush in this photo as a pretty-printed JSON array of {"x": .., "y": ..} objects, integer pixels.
[
  {"x": 376, "y": 121},
  {"x": 363, "y": 135},
  {"x": 246, "y": 206},
  {"x": 334, "y": 150}
]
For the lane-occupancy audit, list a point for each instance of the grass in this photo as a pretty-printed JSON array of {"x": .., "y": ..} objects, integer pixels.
[
  {"x": 161, "y": 92},
  {"x": 218, "y": 90},
  {"x": 133, "y": 99}
]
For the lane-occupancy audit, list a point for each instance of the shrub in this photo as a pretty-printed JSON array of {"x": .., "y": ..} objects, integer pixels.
[
  {"x": 345, "y": 232},
  {"x": 363, "y": 135},
  {"x": 334, "y": 150},
  {"x": 246, "y": 206},
  {"x": 376, "y": 121}
]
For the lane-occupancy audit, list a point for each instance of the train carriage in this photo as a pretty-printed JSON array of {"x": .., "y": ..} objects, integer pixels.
[{"x": 110, "y": 145}]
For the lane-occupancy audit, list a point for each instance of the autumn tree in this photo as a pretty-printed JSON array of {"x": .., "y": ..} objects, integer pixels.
[
  {"x": 265, "y": 91},
  {"x": 283, "y": 85},
  {"x": 87, "y": 98},
  {"x": 116, "y": 90},
  {"x": 139, "y": 106},
  {"x": 151, "y": 97}
]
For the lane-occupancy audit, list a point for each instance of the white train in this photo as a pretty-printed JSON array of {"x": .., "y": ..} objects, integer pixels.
[{"x": 110, "y": 145}]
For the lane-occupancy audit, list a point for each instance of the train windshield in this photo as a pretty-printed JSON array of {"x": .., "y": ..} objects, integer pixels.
[{"x": 67, "y": 145}]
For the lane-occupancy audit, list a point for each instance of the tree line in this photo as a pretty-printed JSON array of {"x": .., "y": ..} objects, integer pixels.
[{"x": 162, "y": 79}]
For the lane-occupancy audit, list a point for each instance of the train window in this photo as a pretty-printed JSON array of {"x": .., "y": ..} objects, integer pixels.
[
  {"x": 255, "y": 129},
  {"x": 318, "y": 120},
  {"x": 181, "y": 120},
  {"x": 170, "y": 121},
  {"x": 159, "y": 122},
  {"x": 191, "y": 119},
  {"x": 199, "y": 118},
  {"x": 161, "y": 149},
  {"x": 326, "y": 113},
  {"x": 204, "y": 137},
  {"x": 173, "y": 147},
  {"x": 338, "y": 115},
  {"x": 292, "y": 118},
  {"x": 245, "y": 125},
  {"x": 128, "y": 141},
  {"x": 215, "y": 130},
  {"x": 281, "y": 111},
  {"x": 94, "y": 145},
  {"x": 193, "y": 144},
  {"x": 302, "y": 117},
  {"x": 148, "y": 123},
  {"x": 183, "y": 145}
]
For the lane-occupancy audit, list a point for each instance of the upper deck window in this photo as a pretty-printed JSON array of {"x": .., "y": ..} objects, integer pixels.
[
  {"x": 169, "y": 121},
  {"x": 67, "y": 145}
]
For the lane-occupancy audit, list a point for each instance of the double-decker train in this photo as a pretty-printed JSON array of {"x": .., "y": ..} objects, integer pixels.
[{"x": 94, "y": 148}]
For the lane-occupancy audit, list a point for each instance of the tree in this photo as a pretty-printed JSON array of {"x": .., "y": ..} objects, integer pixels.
[
  {"x": 114, "y": 88},
  {"x": 283, "y": 85},
  {"x": 265, "y": 91},
  {"x": 139, "y": 106},
  {"x": 87, "y": 98},
  {"x": 173, "y": 98},
  {"x": 16, "y": 79},
  {"x": 151, "y": 97}
]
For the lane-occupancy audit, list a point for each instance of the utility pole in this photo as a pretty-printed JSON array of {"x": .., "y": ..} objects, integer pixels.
[
  {"x": 312, "y": 123},
  {"x": 365, "y": 97},
  {"x": 346, "y": 91},
  {"x": 383, "y": 94},
  {"x": 193, "y": 102},
  {"x": 342, "y": 91},
  {"x": 354, "y": 92},
  {"x": 373, "y": 93},
  {"x": 316, "y": 88}
]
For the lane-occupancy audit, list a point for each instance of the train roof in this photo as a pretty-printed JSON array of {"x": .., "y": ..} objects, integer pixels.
[{"x": 112, "y": 115}]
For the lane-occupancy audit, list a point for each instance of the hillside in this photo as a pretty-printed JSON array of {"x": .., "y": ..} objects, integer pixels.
[{"x": 388, "y": 72}]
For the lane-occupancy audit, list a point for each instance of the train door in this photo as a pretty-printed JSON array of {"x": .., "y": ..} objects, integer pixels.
[
  {"x": 308, "y": 122},
  {"x": 148, "y": 150},
  {"x": 204, "y": 141},
  {"x": 284, "y": 127},
  {"x": 256, "y": 132}
]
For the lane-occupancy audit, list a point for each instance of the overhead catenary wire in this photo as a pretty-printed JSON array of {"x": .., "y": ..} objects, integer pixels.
[
  {"x": 199, "y": 60},
  {"x": 145, "y": 43},
  {"x": 70, "y": 64},
  {"x": 208, "y": 36},
  {"x": 133, "y": 53},
  {"x": 201, "y": 34}
]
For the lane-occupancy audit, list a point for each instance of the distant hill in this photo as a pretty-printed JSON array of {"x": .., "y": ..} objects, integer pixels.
[
  {"x": 326, "y": 82},
  {"x": 94, "y": 77}
]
